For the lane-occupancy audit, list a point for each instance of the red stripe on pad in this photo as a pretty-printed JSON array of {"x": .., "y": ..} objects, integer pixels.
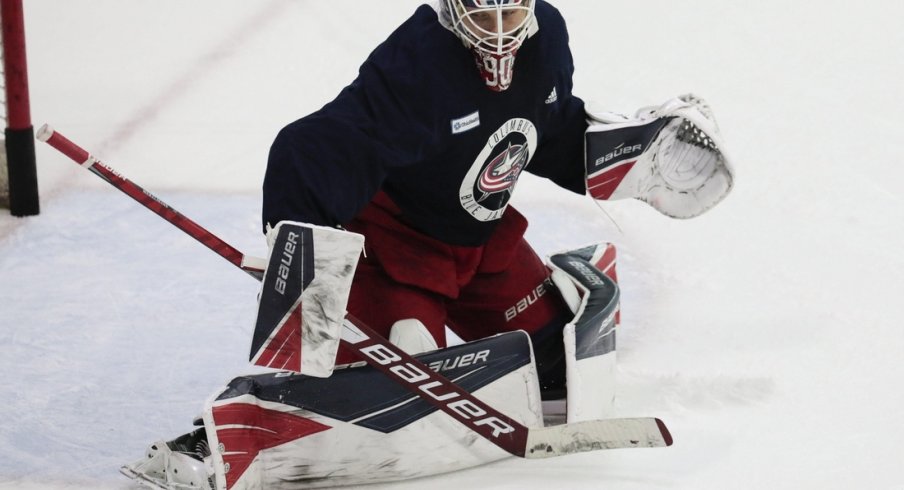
[
  {"x": 258, "y": 429},
  {"x": 283, "y": 350}
]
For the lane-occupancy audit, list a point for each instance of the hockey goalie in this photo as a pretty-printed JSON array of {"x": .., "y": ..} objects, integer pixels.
[{"x": 387, "y": 217}]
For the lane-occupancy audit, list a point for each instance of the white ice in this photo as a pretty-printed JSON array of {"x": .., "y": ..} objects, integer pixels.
[{"x": 768, "y": 333}]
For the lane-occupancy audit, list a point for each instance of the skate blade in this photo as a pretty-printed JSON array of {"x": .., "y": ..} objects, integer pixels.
[{"x": 142, "y": 479}]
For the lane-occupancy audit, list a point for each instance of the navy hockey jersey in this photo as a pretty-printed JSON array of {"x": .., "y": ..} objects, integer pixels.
[{"x": 419, "y": 124}]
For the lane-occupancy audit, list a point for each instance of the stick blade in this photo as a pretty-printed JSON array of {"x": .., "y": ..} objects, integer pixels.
[{"x": 594, "y": 435}]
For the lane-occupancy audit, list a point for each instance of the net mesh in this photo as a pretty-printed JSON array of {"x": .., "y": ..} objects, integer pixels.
[{"x": 687, "y": 157}]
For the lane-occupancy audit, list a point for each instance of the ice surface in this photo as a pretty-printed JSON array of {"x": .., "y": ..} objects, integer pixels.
[{"x": 767, "y": 333}]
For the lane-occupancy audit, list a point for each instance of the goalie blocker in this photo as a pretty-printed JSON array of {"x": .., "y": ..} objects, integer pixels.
[{"x": 303, "y": 297}]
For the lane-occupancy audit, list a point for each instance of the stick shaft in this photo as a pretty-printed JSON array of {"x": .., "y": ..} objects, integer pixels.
[{"x": 143, "y": 197}]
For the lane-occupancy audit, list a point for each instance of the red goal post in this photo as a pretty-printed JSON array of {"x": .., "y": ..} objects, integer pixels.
[{"x": 18, "y": 172}]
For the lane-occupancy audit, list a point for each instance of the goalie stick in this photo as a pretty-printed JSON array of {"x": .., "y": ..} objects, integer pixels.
[{"x": 506, "y": 433}]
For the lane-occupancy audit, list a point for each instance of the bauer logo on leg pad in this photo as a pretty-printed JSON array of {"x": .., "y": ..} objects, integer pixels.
[
  {"x": 595, "y": 319},
  {"x": 427, "y": 383},
  {"x": 378, "y": 430}
]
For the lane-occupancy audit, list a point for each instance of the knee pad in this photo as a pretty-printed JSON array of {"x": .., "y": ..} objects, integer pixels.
[{"x": 412, "y": 336}]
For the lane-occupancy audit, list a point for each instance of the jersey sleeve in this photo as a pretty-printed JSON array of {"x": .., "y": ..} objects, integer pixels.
[
  {"x": 560, "y": 155},
  {"x": 324, "y": 168}
]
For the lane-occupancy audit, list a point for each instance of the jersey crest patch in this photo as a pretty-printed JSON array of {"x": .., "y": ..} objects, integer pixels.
[{"x": 488, "y": 185}]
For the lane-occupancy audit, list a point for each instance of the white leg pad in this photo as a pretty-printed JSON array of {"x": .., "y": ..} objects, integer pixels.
[
  {"x": 589, "y": 339},
  {"x": 590, "y": 382}
]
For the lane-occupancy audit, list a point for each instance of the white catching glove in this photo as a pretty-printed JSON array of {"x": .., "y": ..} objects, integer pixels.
[{"x": 671, "y": 157}]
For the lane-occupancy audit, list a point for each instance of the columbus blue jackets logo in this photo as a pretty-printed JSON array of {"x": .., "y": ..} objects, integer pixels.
[
  {"x": 488, "y": 186},
  {"x": 502, "y": 173}
]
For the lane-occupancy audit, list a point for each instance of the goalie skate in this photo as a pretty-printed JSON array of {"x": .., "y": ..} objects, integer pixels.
[{"x": 180, "y": 464}]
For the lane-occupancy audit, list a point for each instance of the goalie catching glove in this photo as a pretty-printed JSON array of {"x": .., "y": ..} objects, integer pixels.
[
  {"x": 303, "y": 297},
  {"x": 671, "y": 157}
]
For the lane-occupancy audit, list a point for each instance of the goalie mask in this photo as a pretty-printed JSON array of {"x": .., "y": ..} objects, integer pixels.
[{"x": 493, "y": 30}]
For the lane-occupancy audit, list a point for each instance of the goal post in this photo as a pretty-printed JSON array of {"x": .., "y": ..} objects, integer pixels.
[{"x": 20, "y": 173}]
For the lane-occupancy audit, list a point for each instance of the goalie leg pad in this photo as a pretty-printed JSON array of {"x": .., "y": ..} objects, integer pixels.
[
  {"x": 281, "y": 431},
  {"x": 589, "y": 339}
]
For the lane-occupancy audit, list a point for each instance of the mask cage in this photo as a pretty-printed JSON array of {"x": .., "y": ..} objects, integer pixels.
[{"x": 482, "y": 23}]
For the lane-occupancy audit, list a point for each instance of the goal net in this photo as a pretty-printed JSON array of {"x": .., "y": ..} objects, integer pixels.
[{"x": 18, "y": 173}]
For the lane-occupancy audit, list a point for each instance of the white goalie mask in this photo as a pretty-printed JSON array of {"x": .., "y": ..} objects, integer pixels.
[{"x": 493, "y": 30}]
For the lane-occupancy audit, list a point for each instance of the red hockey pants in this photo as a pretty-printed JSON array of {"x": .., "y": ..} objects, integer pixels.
[{"x": 477, "y": 291}]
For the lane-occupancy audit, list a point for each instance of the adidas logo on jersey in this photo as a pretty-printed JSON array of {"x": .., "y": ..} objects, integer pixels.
[{"x": 553, "y": 96}]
